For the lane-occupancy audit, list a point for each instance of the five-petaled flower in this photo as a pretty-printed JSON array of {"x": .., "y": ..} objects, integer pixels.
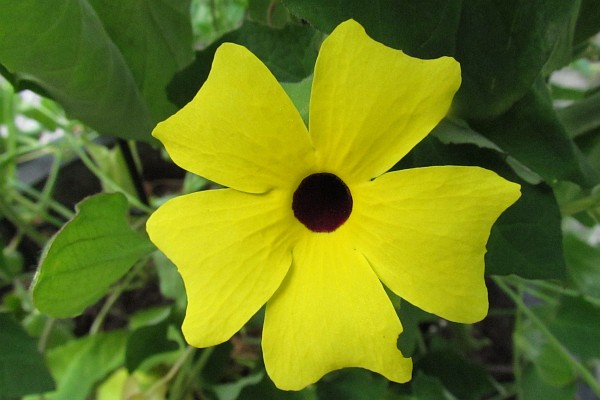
[{"x": 311, "y": 224}]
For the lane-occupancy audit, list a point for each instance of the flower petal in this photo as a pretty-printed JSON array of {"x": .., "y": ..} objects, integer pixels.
[
  {"x": 232, "y": 250},
  {"x": 424, "y": 232},
  {"x": 241, "y": 130},
  {"x": 371, "y": 104},
  {"x": 330, "y": 312}
]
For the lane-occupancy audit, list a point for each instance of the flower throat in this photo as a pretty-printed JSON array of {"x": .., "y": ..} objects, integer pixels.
[{"x": 322, "y": 202}]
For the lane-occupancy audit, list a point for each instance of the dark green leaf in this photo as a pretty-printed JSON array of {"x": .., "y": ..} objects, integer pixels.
[
  {"x": 421, "y": 28},
  {"x": 352, "y": 384},
  {"x": 588, "y": 21},
  {"x": 502, "y": 47},
  {"x": 531, "y": 132},
  {"x": 63, "y": 48},
  {"x": 266, "y": 390},
  {"x": 430, "y": 388},
  {"x": 147, "y": 341},
  {"x": 86, "y": 256},
  {"x": 23, "y": 369},
  {"x": 155, "y": 39},
  {"x": 526, "y": 239},
  {"x": 462, "y": 378},
  {"x": 80, "y": 364},
  {"x": 289, "y": 53}
]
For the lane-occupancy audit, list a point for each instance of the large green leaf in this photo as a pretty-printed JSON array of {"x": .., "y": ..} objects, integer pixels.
[
  {"x": 63, "y": 48},
  {"x": 532, "y": 133},
  {"x": 526, "y": 240},
  {"x": 81, "y": 363},
  {"x": 289, "y": 53},
  {"x": 421, "y": 28},
  {"x": 155, "y": 38},
  {"x": 502, "y": 45},
  {"x": 22, "y": 367},
  {"x": 86, "y": 256}
]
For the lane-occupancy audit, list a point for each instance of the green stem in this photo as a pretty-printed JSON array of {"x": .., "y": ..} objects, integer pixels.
[
  {"x": 43, "y": 342},
  {"x": 585, "y": 374},
  {"x": 112, "y": 185},
  {"x": 23, "y": 226},
  {"x": 171, "y": 373},
  {"x": 112, "y": 298},
  {"x": 576, "y": 206},
  {"x": 134, "y": 172}
]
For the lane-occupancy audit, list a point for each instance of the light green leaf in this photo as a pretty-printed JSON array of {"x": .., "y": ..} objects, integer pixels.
[
  {"x": 583, "y": 258},
  {"x": 533, "y": 387},
  {"x": 86, "y": 256},
  {"x": 80, "y": 364},
  {"x": 22, "y": 367},
  {"x": 576, "y": 325},
  {"x": 62, "y": 47},
  {"x": 155, "y": 39}
]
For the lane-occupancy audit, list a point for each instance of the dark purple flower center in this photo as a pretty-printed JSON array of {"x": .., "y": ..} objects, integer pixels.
[{"x": 322, "y": 202}]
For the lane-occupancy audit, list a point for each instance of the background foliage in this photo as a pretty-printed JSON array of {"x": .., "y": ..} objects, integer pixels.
[{"x": 101, "y": 316}]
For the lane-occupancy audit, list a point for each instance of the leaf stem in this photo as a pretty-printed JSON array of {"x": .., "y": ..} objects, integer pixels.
[
  {"x": 583, "y": 371},
  {"x": 106, "y": 179},
  {"x": 171, "y": 373}
]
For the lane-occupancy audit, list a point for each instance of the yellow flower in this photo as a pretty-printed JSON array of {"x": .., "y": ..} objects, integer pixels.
[{"x": 311, "y": 224}]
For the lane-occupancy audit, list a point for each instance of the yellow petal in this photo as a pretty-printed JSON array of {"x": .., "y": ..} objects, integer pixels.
[
  {"x": 424, "y": 232},
  {"x": 241, "y": 130},
  {"x": 331, "y": 312},
  {"x": 371, "y": 104},
  {"x": 232, "y": 249}
]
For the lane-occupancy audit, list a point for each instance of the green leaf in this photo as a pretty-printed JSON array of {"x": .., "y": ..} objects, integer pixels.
[
  {"x": 533, "y": 387},
  {"x": 299, "y": 92},
  {"x": 464, "y": 379},
  {"x": 421, "y": 28},
  {"x": 576, "y": 325},
  {"x": 289, "y": 53},
  {"x": 583, "y": 258},
  {"x": 582, "y": 116},
  {"x": 155, "y": 39},
  {"x": 146, "y": 342},
  {"x": 526, "y": 240},
  {"x": 588, "y": 21},
  {"x": 80, "y": 364},
  {"x": 531, "y": 132},
  {"x": 86, "y": 256},
  {"x": 430, "y": 388},
  {"x": 266, "y": 390},
  {"x": 352, "y": 384},
  {"x": 23, "y": 369},
  {"x": 62, "y": 48},
  {"x": 501, "y": 45}
]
